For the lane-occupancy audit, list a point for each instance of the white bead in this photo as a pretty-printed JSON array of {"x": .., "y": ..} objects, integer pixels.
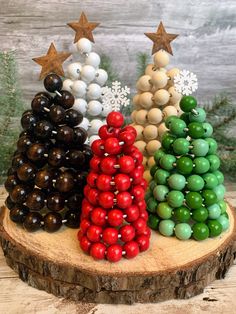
[
  {"x": 150, "y": 69},
  {"x": 141, "y": 116},
  {"x": 174, "y": 96},
  {"x": 94, "y": 108},
  {"x": 146, "y": 100},
  {"x": 79, "y": 88},
  {"x": 95, "y": 125},
  {"x": 93, "y": 59},
  {"x": 154, "y": 116},
  {"x": 162, "y": 129},
  {"x": 84, "y": 46},
  {"x": 143, "y": 84},
  {"x": 161, "y": 97},
  {"x": 67, "y": 85},
  {"x": 150, "y": 132},
  {"x": 93, "y": 138},
  {"x": 74, "y": 70},
  {"x": 169, "y": 111},
  {"x": 105, "y": 111},
  {"x": 94, "y": 91},
  {"x": 139, "y": 130},
  {"x": 152, "y": 147},
  {"x": 88, "y": 73},
  {"x": 161, "y": 59},
  {"x": 159, "y": 79},
  {"x": 80, "y": 105},
  {"x": 172, "y": 73},
  {"x": 101, "y": 77},
  {"x": 84, "y": 124}
]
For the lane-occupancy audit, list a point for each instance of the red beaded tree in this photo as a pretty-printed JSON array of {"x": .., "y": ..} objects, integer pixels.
[{"x": 114, "y": 216}]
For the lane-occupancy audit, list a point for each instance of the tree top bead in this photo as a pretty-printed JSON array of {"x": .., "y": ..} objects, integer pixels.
[{"x": 188, "y": 103}]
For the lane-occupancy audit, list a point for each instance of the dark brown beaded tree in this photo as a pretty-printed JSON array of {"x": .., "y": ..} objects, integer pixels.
[{"x": 49, "y": 167}]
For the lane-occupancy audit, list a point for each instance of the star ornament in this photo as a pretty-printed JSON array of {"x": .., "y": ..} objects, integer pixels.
[
  {"x": 83, "y": 28},
  {"x": 161, "y": 39},
  {"x": 52, "y": 62}
]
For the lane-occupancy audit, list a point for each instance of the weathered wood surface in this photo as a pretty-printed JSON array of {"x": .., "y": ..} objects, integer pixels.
[{"x": 206, "y": 45}]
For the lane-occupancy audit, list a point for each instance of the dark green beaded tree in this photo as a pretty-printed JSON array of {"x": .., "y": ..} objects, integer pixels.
[{"x": 186, "y": 195}]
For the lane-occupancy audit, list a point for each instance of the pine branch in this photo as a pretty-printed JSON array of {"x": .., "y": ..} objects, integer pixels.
[
  {"x": 142, "y": 62},
  {"x": 106, "y": 64},
  {"x": 219, "y": 103},
  {"x": 226, "y": 120}
]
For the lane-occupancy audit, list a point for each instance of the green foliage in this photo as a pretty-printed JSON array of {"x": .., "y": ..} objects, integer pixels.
[
  {"x": 106, "y": 64},
  {"x": 142, "y": 62}
]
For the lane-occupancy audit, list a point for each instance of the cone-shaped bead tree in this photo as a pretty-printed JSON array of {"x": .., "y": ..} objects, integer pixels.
[
  {"x": 186, "y": 194},
  {"x": 114, "y": 216}
]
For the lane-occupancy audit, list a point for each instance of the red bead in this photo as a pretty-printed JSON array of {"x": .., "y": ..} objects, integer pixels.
[
  {"x": 106, "y": 199},
  {"x": 132, "y": 213},
  {"x": 129, "y": 149},
  {"x": 144, "y": 215},
  {"x": 104, "y": 182},
  {"x": 95, "y": 163},
  {"x": 91, "y": 179},
  {"x": 107, "y": 165},
  {"x": 138, "y": 192},
  {"x": 137, "y": 156},
  {"x": 143, "y": 242},
  {"x": 140, "y": 167},
  {"x": 105, "y": 132},
  {"x": 126, "y": 164},
  {"x": 86, "y": 208},
  {"x": 114, "y": 253},
  {"x": 98, "y": 147},
  {"x": 87, "y": 188},
  {"x": 84, "y": 225},
  {"x": 139, "y": 225},
  {"x": 115, "y": 217},
  {"x": 85, "y": 244},
  {"x": 97, "y": 250},
  {"x": 94, "y": 233},
  {"x": 131, "y": 249},
  {"x": 144, "y": 184},
  {"x": 137, "y": 176},
  {"x": 79, "y": 235},
  {"x": 141, "y": 205},
  {"x": 122, "y": 182},
  {"x": 115, "y": 119},
  {"x": 112, "y": 146},
  {"x": 127, "y": 137},
  {"x": 127, "y": 233},
  {"x": 110, "y": 236},
  {"x": 123, "y": 199},
  {"x": 130, "y": 129},
  {"x": 93, "y": 195},
  {"x": 98, "y": 216},
  {"x": 147, "y": 232}
]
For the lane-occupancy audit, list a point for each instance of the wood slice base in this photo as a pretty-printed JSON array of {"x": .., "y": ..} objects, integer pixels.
[{"x": 170, "y": 269}]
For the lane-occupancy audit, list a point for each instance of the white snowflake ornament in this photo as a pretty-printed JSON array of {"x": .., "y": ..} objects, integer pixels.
[
  {"x": 185, "y": 82},
  {"x": 115, "y": 97}
]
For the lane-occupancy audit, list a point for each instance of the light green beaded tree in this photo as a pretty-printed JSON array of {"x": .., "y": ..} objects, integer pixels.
[{"x": 186, "y": 194}]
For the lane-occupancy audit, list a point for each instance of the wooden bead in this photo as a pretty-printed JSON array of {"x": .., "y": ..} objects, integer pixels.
[
  {"x": 172, "y": 73},
  {"x": 146, "y": 100},
  {"x": 139, "y": 130},
  {"x": 35, "y": 200},
  {"x": 144, "y": 163},
  {"x": 72, "y": 219},
  {"x": 159, "y": 79},
  {"x": 74, "y": 201},
  {"x": 52, "y": 222},
  {"x": 147, "y": 176},
  {"x": 18, "y": 213},
  {"x": 162, "y": 129},
  {"x": 169, "y": 111},
  {"x": 161, "y": 59},
  {"x": 151, "y": 162},
  {"x": 43, "y": 129},
  {"x": 150, "y": 132},
  {"x": 76, "y": 158},
  {"x": 150, "y": 69},
  {"x": 154, "y": 116},
  {"x": 28, "y": 120},
  {"x": 179, "y": 111},
  {"x": 136, "y": 100},
  {"x": 80, "y": 136},
  {"x": 65, "y": 134},
  {"x": 141, "y": 145},
  {"x": 57, "y": 114},
  {"x": 44, "y": 179},
  {"x": 17, "y": 161},
  {"x": 73, "y": 117},
  {"x": 11, "y": 182},
  {"x": 174, "y": 96},
  {"x": 65, "y": 182},
  {"x": 152, "y": 147},
  {"x": 55, "y": 201},
  {"x": 133, "y": 115},
  {"x": 36, "y": 152},
  {"x": 161, "y": 97},
  {"x": 24, "y": 143},
  {"x": 143, "y": 84},
  {"x": 19, "y": 193},
  {"x": 65, "y": 99},
  {"x": 32, "y": 222},
  {"x": 56, "y": 157},
  {"x": 52, "y": 83},
  {"x": 141, "y": 116},
  {"x": 26, "y": 172}
]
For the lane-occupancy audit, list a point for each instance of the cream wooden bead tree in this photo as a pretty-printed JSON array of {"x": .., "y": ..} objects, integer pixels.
[{"x": 156, "y": 98}]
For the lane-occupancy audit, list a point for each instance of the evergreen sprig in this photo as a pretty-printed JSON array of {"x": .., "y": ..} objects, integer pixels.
[{"x": 142, "y": 62}]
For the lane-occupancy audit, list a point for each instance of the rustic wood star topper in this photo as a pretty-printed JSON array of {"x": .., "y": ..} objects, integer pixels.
[
  {"x": 83, "y": 28},
  {"x": 52, "y": 62},
  {"x": 161, "y": 39}
]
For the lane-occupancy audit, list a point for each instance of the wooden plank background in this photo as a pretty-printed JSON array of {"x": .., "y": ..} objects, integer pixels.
[{"x": 206, "y": 45}]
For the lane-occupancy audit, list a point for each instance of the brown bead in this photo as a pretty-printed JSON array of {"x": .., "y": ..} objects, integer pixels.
[
  {"x": 43, "y": 129},
  {"x": 11, "y": 182},
  {"x": 26, "y": 172},
  {"x": 45, "y": 94},
  {"x": 18, "y": 213},
  {"x": 56, "y": 157},
  {"x": 88, "y": 154},
  {"x": 73, "y": 117},
  {"x": 44, "y": 179},
  {"x": 17, "y": 161},
  {"x": 52, "y": 83},
  {"x": 66, "y": 100},
  {"x": 52, "y": 222},
  {"x": 35, "y": 200},
  {"x": 65, "y": 134},
  {"x": 39, "y": 104},
  {"x": 57, "y": 114},
  {"x": 74, "y": 201},
  {"x": 32, "y": 221},
  {"x": 72, "y": 219},
  {"x": 28, "y": 120},
  {"x": 80, "y": 136},
  {"x": 81, "y": 180},
  {"x": 75, "y": 158},
  {"x": 55, "y": 201},
  {"x": 9, "y": 203},
  {"x": 19, "y": 193},
  {"x": 24, "y": 143},
  {"x": 36, "y": 152},
  {"x": 65, "y": 182}
]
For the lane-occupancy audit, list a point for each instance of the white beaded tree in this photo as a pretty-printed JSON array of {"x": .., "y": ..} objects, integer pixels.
[{"x": 156, "y": 98}]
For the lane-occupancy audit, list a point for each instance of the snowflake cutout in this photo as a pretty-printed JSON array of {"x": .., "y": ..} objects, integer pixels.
[
  {"x": 185, "y": 82},
  {"x": 115, "y": 97}
]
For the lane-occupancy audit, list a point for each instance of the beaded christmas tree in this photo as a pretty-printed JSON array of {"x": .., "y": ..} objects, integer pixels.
[
  {"x": 156, "y": 99},
  {"x": 48, "y": 171},
  {"x": 186, "y": 194},
  {"x": 114, "y": 216}
]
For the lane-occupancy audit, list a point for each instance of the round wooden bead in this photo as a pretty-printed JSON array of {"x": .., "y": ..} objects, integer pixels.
[
  {"x": 169, "y": 111},
  {"x": 17, "y": 161},
  {"x": 52, "y": 222},
  {"x": 45, "y": 94},
  {"x": 73, "y": 117},
  {"x": 36, "y": 152},
  {"x": 39, "y": 103},
  {"x": 133, "y": 115},
  {"x": 147, "y": 176},
  {"x": 159, "y": 79},
  {"x": 136, "y": 99},
  {"x": 94, "y": 91},
  {"x": 43, "y": 129},
  {"x": 177, "y": 106},
  {"x": 141, "y": 145},
  {"x": 32, "y": 222},
  {"x": 141, "y": 116},
  {"x": 18, "y": 213},
  {"x": 67, "y": 85},
  {"x": 79, "y": 88},
  {"x": 161, "y": 97},
  {"x": 52, "y": 83},
  {"x": 65, "y": 134},
  {"x": 55, "y": 201},
  {"x": 65, "y": 99},
  {"x": 174, "y": 96},
  {"x": 24, "y": 143},
  {"x": 154, "y": 116},
  {"x": 76, "y": 158},
  {"x": 80, "y": 136},
  {"x": 150, "y": 132},
  {"x": 72, "y": 219},
  {"x": 44, "y": 178},
  {"x": 172, "y": 73},
  {"x": 74, "y": 201},
  {"x": 101, "y": 77},
  {"x": 57, "y": 114},
  {"x": 146, "y": 100},
  {"x": 84, "y": 45},
  {"x": 153, "y": 146},
  {"x": 80, "y": 105},
  {"x": 11, "y": 182},
  {"x": 35, "y": 200},
  {"x": 19, "y": 193},
  {"x": 94, "y": 108},
  {"x": 56, "y": 157},
  {"x": 150, "y": 69},
  {"x": 88, "y": 73},
  {"x": 161, "y": 59},
  {"x": 151, "y": 162},
  {"x": 139, "y": 130},
  {"x": 144, "y": 83},
  {"x": 28, "y": 120},
  {"x": 65, "y": 182},
  {"x": 93, "y": 59},
  {"x": 162, "y": 129},
  {"x": 145, "y": 160},
  {"x": 74, "y": 70},
  {"x": 26, "y": 172},
  {"x": 9, "y": 203}
]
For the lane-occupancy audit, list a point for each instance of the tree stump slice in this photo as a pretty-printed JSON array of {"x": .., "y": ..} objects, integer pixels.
[{"x": 170, "y": 269}]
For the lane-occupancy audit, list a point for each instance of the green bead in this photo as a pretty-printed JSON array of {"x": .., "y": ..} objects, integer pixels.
[
  {"x": 215, "y": 228},
  {"x": 175, "y": 198},
  {"x": 223, "y": 206},
  {"x": 185, "y": 116},
  {"x": 214, "y": 211},
  {"x": 181, "y": 146},
  {"x": 152, "y": 205},
  {"x": 183, "y": 231},
  {"x": 208, "y": 129},
  {"x": 182, "y": 214},
  {"x": 200, "y": 214},
  {"x": 219, "y": 175},
  {"x": 152, "y": 185},
  {"x": 195, "y": 130},
  {"x": 161, "y": 176},
  {"x": 153, "y": 170},
  {"x": 212, "y": 145},
  {"x": 168, "y": 121},
  {"x": 195, "y": 183},
  {"x": 200, "y": 231},
  {"x": 160, "y": 192},
  {"x": 167, "y": 161},
  {"x": 153, "y": 221},
  {"x": 167, "y": 141},
  {"x": 199, "y": 117},
  {"x": 148, "y": 195},
  {"x": 224, "y": 222},
  {"x": 210, "y": 180},
  {"x": 202, "y": 165},
  {"x": 164, "y": 210},
  {"x": 200, "y": 147},
  {"x": 166, "y": 227},
  {"x": 193, "y": 200},
  {"x": 158, "y": 154},
  {"x": 214, "y": 162},
  {"x": 219, "y": 191},
  {"x": 187, "y": 103},
  {"x": 184, "y": 165},
  {"x": 225, "y": 215},
  {"x": 177, "y": 181},
  {"x": 209, "y": 197},
  {"x": 177, "y": 127}
]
